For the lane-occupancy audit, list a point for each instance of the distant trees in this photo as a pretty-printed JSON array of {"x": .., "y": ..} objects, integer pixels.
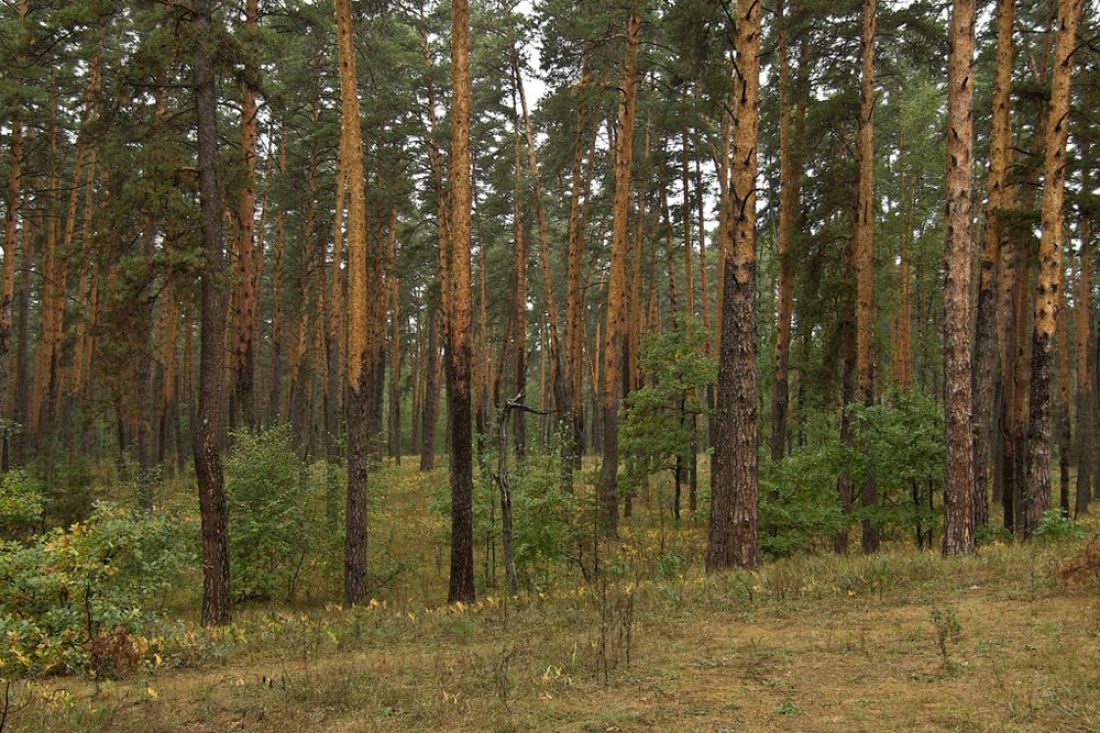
[{"x": 297, "y": 243}]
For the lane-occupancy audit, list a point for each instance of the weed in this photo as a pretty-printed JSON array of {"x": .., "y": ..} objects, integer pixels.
[{"x": 948, "y": 630}]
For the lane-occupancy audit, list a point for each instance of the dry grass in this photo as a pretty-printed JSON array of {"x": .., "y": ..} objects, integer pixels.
[{"x": 807, "y": 644}]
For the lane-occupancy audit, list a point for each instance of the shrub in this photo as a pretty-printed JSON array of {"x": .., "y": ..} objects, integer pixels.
[
  {"x": 657, "y": 431},
  {"x": 1054, "y": 526},
  {"x": 21, "y": 505},
  {"x": 274, "y": 522},
  {"x": 899, "y": 442},
  {"x": 73, "y": 597}
]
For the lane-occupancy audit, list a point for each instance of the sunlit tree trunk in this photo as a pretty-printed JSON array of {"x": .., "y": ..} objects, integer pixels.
[
  {"x": 358, "y": 397},
  {"x": 462, "y": 531},
  {"x": 958, "y": 377},
  {"x": 607, "y": 491},
  {"x": 733, "y": 538},
  {"x": 1040, "y": 417}
]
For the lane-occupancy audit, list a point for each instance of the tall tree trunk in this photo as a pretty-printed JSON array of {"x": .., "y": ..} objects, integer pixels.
[
  {"x": 358, "y": 394},
  {"x": 607, "y": 491},
  {"x": 432, "y": 376},
  {"x": 244, "y": 347},
  {"x": 395, "y": 370},
  {"x": 7, "y": 278},
  {"x": 20, "y": 399},
  {"x": 958, "y": 512},
  {"x": 903, "y": 342},
  {"x": 462, "y": 530},
  {"x": 574, "y": 328},
  {"x": 863, "y": 249},
  {"x": 733, "y": 539},
  {"x": 785, "y": 306},
  {"x": 519, "y": 332},
  {"x": 544, "y": 247},
  {"x": 208, "y": 429},
  {"x": 985, "y": 339},
  {"x": 1085, "y": 396},
  {"x": 277, "y": 326},
  {"x": 1040, "y": 418},
  {"x": 1061, "y": 406}
]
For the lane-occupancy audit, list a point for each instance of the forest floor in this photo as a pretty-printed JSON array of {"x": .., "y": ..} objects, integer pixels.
[{"x": 903, "y": 641}]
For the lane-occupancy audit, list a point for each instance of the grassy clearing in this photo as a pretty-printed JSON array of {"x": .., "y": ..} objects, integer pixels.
[{"x": 815, "y": 643}]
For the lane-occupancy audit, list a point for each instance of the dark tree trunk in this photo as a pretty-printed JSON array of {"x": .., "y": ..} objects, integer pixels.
[
  {"x": 207, "y": 434},
  {"x": 431, "y": 393}
]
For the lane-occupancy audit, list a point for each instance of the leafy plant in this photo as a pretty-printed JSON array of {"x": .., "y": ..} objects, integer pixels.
[
  {"x": 76, "y": 596},
  {"x": 21, "y": 504},
  {"x": 275, "y": 525},
  {"x": 1054, "y": 526},
  {"x": 657, "y": 430}
]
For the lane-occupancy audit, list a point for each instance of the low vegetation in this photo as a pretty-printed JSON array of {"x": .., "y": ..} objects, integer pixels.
[{"x": 102, "y": 636}]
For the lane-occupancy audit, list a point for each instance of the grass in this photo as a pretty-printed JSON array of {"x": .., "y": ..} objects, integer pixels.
[{"x": 812, "y": 643}]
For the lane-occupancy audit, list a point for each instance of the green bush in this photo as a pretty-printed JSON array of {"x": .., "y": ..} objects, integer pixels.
[
  {"x": 1054, "y": 526},
  {"x": 657, "y": 432},
  {"x": 546, "y": 524},
  {"x": 21, "y": 505},
  {"x": 275, "y": 515},
  {"x": 899, "y": 442},
  {"x": 83, "y": 596}
]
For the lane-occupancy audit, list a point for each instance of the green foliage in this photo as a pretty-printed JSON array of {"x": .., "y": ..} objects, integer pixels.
[
  {"x": 1054, "y": 526},
  {"x": 798, "y": 500},
  {"x": 990, "y": 533},
  {"x": 75, "y": 596},
  {"x": 547, "y": 522},
  {"x": 275, "y": 524},
  {"x": 21, "y": 504},
  {"x": 657, "y": 432},
  {"x": 899, "y": 442}
]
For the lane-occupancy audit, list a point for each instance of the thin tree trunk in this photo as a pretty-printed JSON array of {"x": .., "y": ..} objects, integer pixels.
[
  {"x": 245, "y": 366},
  {"x": 432, "y": 375},
  {"x": 519, "y": 332},
  {"x": 863, "y": 249},
  {"x": 1085, "y": 396},
  {"x": 785, "y": 305},
  {"x": 1062, "y": 408},
  {"x": 999, "y": 200},
  {"x": 574, "y": 342}
]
